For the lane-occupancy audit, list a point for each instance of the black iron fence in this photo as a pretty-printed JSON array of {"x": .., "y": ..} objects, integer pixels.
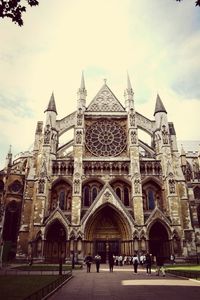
[{"x": 48, "y": 289}]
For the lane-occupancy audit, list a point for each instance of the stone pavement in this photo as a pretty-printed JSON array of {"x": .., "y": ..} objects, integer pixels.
[{"x": 123, "y": 284}]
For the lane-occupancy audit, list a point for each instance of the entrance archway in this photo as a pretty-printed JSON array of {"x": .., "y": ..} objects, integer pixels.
[
  {"x": 107, "y": 232},
  {"x": 55, "y": 244},
  {"x": 159, "y": 240}
]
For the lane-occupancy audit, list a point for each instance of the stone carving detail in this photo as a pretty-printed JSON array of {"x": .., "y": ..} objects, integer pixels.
[
  {"x": 133, "y": 137},
  {"x": 80, "y": 117},
  {"x": 165, "y": 135},
  {"x": 41, "y": 184},
  {"x": 105, "y": 101},
  {"x": 105, "y": 138},
  {"x": 76, "y": 186},
  {"x": 171, "y": 182},
  {"x": 78, "y": 137},
  {"x": 137, "y": 184},
  {"x": 132, "y": 118},
  {"x": 106, "y": 196},
  {"x": 47, "y": 134}
]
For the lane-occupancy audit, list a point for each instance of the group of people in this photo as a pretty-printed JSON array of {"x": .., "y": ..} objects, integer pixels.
[{"x": 145, "y": 260}]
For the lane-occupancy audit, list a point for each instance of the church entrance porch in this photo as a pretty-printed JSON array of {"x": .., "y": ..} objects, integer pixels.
[
  {"x": 106, "y": 232},
  {"x": 55, "y": 243},
  {"x": 159, "y": 243}
]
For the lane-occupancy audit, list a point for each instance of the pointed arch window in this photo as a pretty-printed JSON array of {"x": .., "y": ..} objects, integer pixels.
[
  {"x": 94, "y": 193},
  {"x": 197, "y": 192},
  {"x": 118, "y": 192},
  {"x": 86, "y": 196},
  {"x": 151, "y": 201},
  {"x": 62, "y": 200},
  {"x": 126, "y": 196}
]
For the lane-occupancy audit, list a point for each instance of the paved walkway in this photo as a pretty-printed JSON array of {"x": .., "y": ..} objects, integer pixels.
[{"x": 123, "y": 284}]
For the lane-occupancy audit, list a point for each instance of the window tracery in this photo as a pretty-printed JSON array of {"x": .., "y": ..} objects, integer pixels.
[
  {"x": 122, "y": 190},
  {"x": 61, "y": 196},
  {"x": 90, "y": 192},
  {"x": 105, "y": 138}
]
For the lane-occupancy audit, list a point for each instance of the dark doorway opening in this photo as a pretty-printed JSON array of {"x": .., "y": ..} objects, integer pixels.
[
  {"x": 106, "y": 247},
  {"x": 55, "y": 244},
  {"x": 159, "y": 244}
]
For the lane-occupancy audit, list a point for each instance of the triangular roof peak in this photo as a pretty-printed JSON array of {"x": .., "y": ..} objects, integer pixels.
[
  {"x": 105, "y": 101},
  {"x": 159, "y": 106},
  {"x": 52, "y": 104}
]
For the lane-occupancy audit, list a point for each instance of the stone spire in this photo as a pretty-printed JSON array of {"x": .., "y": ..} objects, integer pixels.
[
  {"x": 128, "y": 94},
  {"x": 159, "y": 106},
  {"x": 9, "y": 157},
  {"x": 82, "y": 93},
  {"x": 52, "y": 104}
]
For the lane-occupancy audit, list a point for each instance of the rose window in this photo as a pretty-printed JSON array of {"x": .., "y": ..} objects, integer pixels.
[{"x": 105, "y": 138}]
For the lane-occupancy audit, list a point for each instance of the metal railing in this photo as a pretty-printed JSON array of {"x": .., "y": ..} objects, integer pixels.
[{"x": 46, "y": 290}]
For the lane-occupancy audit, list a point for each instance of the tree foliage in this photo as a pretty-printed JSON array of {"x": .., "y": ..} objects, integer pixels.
[
  {"x": 13, "y": 9},
  {"x": 197, "y": 2}
]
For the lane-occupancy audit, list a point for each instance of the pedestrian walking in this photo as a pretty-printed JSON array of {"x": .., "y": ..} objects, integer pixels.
[
  {"x": 148, "y": 261},
  {"x": 88, "y": 261},
  {"x": 111, "y": 261},
  {"x": 135, "y": 263},
  {"x": 97, "y": 259}
]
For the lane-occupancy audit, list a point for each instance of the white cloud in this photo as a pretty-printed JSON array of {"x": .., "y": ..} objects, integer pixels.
[{"x": 156, "y": 41}]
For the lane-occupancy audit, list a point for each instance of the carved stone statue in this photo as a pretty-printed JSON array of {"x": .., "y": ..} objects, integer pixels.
[
  {"x": 132, "y": 118},
  {"x": 76, "y": 186},
  {"x": 47, "y": 134},
  {"x": 137, "y": 186},
  {"x": 171, "y": 186},
  {"x": 41, "y": 183},
  {"x": 165, "y": 135},
  {"x": 133, "y": 137},
  {"x": 78, "y": 137}
]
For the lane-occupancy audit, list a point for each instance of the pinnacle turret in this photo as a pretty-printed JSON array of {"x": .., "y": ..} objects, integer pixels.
[
  {"x": 159, "y": 106},
  {"x": 51, "y": 105},
  {"x": 128, "y": 94}
]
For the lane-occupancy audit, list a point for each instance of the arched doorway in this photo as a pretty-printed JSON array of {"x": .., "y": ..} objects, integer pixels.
[
  {"x": 159, "y": 240},
  {"x": 55, "y": 244},
  {"x": 106, "y": 232}
]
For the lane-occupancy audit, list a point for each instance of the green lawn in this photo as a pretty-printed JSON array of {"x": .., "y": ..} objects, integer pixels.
[
  {"x": 189, "y": 271},
  {"x": 18, "y": 287},
  {"x": 189, "y": 268}
]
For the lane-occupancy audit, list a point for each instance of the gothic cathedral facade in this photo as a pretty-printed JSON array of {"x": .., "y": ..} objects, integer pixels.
[{"x": 105, "y": 190}]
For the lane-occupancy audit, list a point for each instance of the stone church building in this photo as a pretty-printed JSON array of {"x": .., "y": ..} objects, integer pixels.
[{"x": 105, "y": 190}]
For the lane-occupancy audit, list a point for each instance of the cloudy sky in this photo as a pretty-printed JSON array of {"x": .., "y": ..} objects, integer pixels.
[{"x": 156, "y": 41}]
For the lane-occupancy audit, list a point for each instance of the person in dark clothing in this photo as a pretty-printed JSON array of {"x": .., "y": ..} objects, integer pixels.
[
  {"x": 97, "y": 261},
  {"x": 135, "y": 263},
  {"x": 148, "y": 262},
  {"x": 88, "y": 261},
  {"x": 111, "y": 261}
]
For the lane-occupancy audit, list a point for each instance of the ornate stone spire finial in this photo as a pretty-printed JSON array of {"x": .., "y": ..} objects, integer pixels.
[
  {"x": 52, "y": 104},
  {"x": 159, "y": 106},
  {"x": 82, "y": 82}
]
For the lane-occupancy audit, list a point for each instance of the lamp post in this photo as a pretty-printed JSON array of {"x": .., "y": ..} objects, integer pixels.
[{"x": 60, "y": 252}]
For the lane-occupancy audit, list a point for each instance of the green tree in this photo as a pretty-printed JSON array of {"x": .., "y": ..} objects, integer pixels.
[{"x": 13, "y": 9}]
